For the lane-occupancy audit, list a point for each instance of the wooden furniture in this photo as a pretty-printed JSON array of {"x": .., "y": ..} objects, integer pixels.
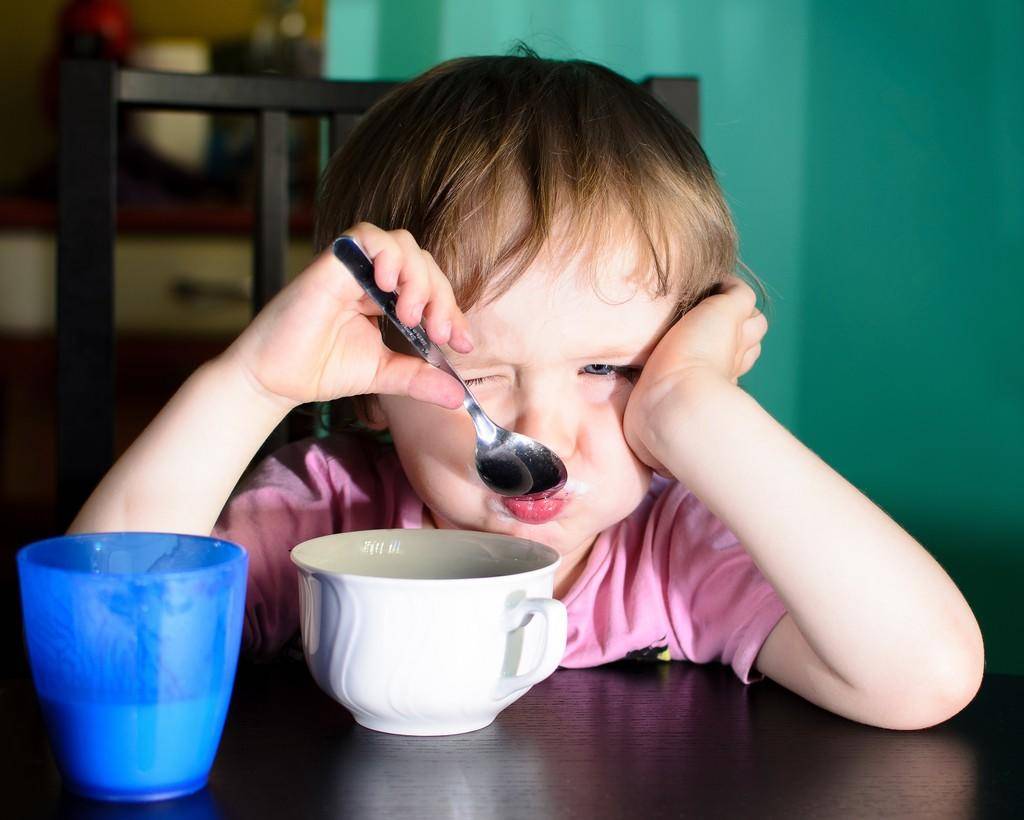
[
  {"x": 621, "y": 741},
  {"x": 92, "y": 94}
]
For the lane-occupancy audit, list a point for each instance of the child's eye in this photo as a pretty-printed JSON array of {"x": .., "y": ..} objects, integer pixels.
[
  {"x": 612, "y": 371},
  {"x": 601, "y": 371}
]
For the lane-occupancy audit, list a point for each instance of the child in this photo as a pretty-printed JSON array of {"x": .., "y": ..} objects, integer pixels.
[{"x": 565, "y": 239}]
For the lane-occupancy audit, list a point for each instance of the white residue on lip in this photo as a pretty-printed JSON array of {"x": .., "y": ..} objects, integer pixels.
[{"x": 574, "y": 487}]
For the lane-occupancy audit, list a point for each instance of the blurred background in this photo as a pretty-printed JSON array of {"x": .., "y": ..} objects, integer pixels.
[{"x": 873, "y": 156}]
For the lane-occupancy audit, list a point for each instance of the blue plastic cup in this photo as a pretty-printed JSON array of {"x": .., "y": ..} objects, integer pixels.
[{"x": 133, "y": 640}]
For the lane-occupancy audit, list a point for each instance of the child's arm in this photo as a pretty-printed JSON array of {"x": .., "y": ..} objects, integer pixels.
[
  {"x": 876, "y": 630},
  {"x": 316, "y": 340},
  {"x": 178, "y": 473}
]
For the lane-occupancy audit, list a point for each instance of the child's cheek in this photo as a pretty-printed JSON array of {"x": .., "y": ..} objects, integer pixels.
[
  {"x": 496, "y": 400},
  {"x": 598, "y": 390}
]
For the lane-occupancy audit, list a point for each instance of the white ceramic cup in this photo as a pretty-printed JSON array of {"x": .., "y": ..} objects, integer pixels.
[{"x": 428, "y": 632}]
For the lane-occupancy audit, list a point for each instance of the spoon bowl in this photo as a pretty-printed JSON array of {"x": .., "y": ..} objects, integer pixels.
[
  {"x": 519, "y": 466},
  {"x": 508, "y": 463}
]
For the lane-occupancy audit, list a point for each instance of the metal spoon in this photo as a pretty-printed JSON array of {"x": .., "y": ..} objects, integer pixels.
[{"x": 508, "y": 463}]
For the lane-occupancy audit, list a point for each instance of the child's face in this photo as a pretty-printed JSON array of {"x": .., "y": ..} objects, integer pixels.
[{"x": 553, "y": 360}]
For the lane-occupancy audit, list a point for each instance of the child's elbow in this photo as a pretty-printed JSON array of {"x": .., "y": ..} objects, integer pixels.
[{"x": 942, "y": 688}]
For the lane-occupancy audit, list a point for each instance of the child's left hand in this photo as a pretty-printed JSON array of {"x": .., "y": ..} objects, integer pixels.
[{"x": 717, "y": 340}]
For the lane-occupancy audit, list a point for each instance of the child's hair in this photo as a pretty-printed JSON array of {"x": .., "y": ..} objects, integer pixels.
[{"x": 486, "y": 159}]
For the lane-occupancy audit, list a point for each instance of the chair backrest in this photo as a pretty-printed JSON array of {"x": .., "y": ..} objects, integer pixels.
[{"x": 92, "y": 92}]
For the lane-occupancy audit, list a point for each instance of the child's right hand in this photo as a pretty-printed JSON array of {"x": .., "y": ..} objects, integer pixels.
[{"x": 318, "y": 340}]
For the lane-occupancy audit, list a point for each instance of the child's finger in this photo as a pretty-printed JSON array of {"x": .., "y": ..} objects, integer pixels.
[
  {"x": 739, "y": 295},
  {"x": 437, "y": 318},
  {"x": 754, "y": 329},
  {"x": 402, "y": 375},
  {"x": 445, "y": 321},
  {"x": 415, "y": 283},
  {"x": 382, "y": 249},
  {"x": 747, "y": 362}
]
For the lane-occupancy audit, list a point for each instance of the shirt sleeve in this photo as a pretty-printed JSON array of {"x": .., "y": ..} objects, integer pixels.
[
  {"x": 289, "y": 498},
  {"x": 720, "y": 607}
]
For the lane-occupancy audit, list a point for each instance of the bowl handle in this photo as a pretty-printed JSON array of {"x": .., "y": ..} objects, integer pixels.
[{"x": 556, "y": 622}]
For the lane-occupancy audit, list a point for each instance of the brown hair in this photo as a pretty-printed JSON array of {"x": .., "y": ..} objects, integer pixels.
[{"x": 486, "y": 159}]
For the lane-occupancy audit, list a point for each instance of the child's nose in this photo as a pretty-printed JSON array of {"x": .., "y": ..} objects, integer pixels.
[{"x": 552, "y": 423}]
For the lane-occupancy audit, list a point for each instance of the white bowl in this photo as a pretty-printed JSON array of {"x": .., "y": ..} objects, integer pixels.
[{"x": 428, "y": 632}]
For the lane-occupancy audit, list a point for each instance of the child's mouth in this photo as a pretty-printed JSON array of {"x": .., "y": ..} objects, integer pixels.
[{"x": 535, "y": 510}]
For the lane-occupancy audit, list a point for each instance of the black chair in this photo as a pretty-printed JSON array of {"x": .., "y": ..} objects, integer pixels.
[{"x": 92, "y": 93}]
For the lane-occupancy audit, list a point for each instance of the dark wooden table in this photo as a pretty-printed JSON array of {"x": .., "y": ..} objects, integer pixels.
[{"x": 637, "y": 741}]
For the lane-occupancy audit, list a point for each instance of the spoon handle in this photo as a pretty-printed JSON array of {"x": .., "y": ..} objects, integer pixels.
[{"x": 348, "y": 252}]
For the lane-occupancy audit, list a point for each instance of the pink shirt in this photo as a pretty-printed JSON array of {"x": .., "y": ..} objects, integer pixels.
[{"x": 669, "y": 581}]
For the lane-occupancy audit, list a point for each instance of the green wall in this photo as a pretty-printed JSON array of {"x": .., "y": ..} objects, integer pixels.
[
  {"x": 872, "y": 156},
  {"x": 911, "y": 373}
]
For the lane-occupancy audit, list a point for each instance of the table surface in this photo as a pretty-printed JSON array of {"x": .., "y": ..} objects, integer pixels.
[{"x": 626, "y": 740}]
